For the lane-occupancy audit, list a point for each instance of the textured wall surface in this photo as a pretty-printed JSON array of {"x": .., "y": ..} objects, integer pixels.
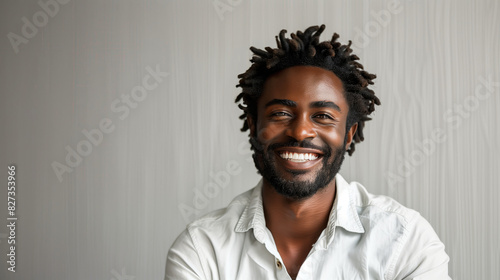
[{"x": 151, "y": 83}]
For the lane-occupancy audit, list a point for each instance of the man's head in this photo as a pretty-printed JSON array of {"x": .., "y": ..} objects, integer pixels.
[{"x": 306, "y": 105}]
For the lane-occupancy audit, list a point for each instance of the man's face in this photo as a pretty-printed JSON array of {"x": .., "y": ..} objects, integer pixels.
[{"x": 300, "y": 135}]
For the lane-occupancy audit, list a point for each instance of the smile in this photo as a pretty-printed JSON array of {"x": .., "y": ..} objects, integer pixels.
[{"x": 298, "y": 157}]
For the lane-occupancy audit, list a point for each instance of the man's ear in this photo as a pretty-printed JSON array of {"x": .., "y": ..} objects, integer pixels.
[
  {"x": 251, "y": 125},
  {"x": 350, "y": 135}
]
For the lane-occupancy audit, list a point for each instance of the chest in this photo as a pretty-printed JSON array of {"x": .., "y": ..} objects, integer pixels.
[{"x": 345, "y": 258}]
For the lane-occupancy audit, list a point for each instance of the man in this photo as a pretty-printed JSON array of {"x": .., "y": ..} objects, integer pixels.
[{"x": 306, "y": 104}]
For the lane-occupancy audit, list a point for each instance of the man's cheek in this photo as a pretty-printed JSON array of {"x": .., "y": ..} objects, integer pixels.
[
  {"x": 264, "y": 135},
  {"x": 269, "y": 132}
]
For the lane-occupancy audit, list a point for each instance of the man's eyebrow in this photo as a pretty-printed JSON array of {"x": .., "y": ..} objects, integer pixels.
[
  {"x": 285, "y": 102},
  {"x": 323, "y": 104}
]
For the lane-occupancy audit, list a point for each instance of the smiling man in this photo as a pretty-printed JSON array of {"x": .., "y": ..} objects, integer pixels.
[{"x": 305, "y": 104}]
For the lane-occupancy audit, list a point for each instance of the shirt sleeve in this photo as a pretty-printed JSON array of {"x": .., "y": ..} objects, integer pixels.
[
  {"x": 183, "y": 261},
  {"x": 421, "y": 255}
]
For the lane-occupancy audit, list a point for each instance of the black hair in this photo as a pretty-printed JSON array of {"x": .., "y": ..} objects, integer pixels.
[{"x": 304, "y": 48}]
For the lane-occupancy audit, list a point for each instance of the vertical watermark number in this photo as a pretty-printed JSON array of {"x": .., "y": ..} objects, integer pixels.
[{"x": 11, "y": 218}]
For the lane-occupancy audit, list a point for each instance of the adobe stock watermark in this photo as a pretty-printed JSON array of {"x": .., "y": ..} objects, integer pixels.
[
  {"x": 121, "y": 276},
  {"x": 378, "y": 20},
  {"x": 203, "y": 195},
  {"x": 121, "y": 107},
  {"x": 453, "y": 118},
  {"x": 219, "y": 181},
  {"x": 223, "y": 6},
  {"x": 38, "y": 20}
]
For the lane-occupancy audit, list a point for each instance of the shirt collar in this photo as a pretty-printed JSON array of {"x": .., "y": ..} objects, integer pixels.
[
  {"x": 253, "y": 215},
  {"x": 343, "y": 214}
]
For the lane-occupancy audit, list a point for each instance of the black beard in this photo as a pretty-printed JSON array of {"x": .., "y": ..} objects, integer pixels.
[{"x": 297, "y": 190}]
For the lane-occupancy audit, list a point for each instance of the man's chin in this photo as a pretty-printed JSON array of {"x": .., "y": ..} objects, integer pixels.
[
  {"x": 296, "y": 190},
  {"x": 297, "y": 176}
]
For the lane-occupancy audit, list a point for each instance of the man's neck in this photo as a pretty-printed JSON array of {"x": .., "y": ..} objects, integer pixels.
[
  {"x": 297, "y": 219},
  {"x": 296, "y": 225}
]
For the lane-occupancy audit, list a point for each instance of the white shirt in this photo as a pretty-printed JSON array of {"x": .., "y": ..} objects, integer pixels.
[{"x": 367, "y": 237}]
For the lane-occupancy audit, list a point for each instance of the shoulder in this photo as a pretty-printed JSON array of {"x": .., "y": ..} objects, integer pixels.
[
  {"x": 415, "y": 248},
  {"x": 194, "y": 252},
  {"x": 216, "y": 227},
  {"x": 380, "y": 207},
  {"x": 384, "y": 216},
  {"x": 223, "y": 219}
]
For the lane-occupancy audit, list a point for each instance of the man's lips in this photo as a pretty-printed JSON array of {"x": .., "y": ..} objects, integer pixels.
[{"x": 297, "y": 158}]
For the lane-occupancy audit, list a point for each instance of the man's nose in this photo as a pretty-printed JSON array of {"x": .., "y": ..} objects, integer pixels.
[{"x": 301, "y": 128}]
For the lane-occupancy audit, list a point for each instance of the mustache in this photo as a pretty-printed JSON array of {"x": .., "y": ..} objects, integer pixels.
[{"x": 291, "y": 143}]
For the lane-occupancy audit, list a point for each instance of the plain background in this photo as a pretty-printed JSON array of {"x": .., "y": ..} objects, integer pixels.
[{"x": 115, "y": 215}]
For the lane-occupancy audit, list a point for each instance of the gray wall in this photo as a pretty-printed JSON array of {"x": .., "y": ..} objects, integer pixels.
[{"x": 118, "y": 205}]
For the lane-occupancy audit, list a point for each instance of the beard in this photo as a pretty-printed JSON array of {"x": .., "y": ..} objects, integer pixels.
[{"x": 296, "y": 189}]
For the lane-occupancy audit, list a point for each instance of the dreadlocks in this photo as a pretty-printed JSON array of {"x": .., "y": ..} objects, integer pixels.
[{"x": 304, "y": 48}]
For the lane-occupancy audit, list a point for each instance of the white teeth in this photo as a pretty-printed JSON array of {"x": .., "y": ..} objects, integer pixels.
[{"x": 298, "y": 157}]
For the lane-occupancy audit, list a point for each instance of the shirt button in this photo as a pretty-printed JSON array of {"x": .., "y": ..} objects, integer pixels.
[{"x": 278, "y": 264}]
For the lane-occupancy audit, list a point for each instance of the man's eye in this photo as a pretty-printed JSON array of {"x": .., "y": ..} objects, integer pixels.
[
  {"x": 280, "y": 114},
  {"x": 324, "y": 116}
]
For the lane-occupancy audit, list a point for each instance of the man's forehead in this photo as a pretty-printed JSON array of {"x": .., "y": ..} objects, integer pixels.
[
  {"x": 312, "y": 104},
  {"x": 303, "y": 84}
]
